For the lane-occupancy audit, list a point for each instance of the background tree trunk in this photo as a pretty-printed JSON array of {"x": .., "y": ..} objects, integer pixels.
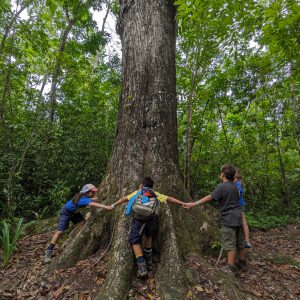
[
  {"x": 145, "y": 145},
  {"x": 57, "y": 66}
]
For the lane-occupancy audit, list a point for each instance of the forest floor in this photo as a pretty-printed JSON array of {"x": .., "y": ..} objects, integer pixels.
[{"x": 274, "y": 272}]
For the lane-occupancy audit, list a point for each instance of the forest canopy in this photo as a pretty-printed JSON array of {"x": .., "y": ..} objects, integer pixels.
[{"x": 237, "y": 88}]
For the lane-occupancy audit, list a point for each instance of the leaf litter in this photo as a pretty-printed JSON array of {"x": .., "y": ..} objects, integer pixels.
[
  {"x": 273, "y": 261},
  {"x": 26, "y": 277}
]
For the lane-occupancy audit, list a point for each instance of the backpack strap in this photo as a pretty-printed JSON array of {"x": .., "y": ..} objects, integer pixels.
[
  {"x": 142, "y": 228},
  {"x": 128, "y": 209}
]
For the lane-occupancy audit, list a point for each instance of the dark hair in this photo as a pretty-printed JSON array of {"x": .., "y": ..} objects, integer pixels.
[
  {"x": 229, "y": 172},
  {"x": 77, "y": 197},
  {"x": 148, "y": 182}
]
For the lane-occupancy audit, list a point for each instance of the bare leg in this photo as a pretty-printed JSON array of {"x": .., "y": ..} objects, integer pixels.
[
  {"x": 242, "y": 254},
  {"x": 137, "y": 249},
  {"x": 245, "y": 228},
  {"x": 231, "y": 257},
  {"x": 148, "y": 241},
  {"x": 56, "y": 237}
]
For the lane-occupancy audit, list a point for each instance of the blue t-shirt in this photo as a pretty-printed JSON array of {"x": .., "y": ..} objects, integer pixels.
[
  {"x": 241, "y": 191},
  {"x": 83, "y": 202}
]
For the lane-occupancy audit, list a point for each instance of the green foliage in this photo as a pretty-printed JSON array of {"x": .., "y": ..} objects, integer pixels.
[
  {"x": 264, "y": 220},
  {"x": 58, "y": 193},
  {"x": 241, "y": 70},
  {"x": 238, "y": 61},
  {"x": 43, "y": 161},
  {"x": 4, "y": 5},
  {"x": 9, "y": 237}
]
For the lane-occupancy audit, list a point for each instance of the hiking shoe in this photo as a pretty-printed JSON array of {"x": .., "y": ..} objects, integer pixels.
[
  {"x": 142, "y": 269},
  {"x": 247, "y": 245},
  {"x": 230, "y": 269},
  {"x": 242, "y": 265},
  {"x": 48, "y": 256}
]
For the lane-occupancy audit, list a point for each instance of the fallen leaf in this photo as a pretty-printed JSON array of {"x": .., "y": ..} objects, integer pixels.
[
  {"x": 256, "y": 293},
  {"x": 204, "y": 226},
  {"x": 6, "y": 294},
  {"x": 81, "y": 296},
  {"x": 99, "y": 279},
  {"x": 199, "y": 288},
  {"x": 189, "y": 294},
  {"x": 59, "y": 291}
]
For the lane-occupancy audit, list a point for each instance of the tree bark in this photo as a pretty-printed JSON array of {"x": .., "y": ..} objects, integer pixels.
[{"x": 145, "y": 145}]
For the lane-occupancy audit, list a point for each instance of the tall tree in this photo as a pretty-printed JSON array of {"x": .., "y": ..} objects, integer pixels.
[{"x": 145, "y": 144}]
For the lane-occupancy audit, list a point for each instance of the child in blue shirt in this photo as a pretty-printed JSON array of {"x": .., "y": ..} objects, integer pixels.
[
  {"x": 69, "y": 213},
  {"x": 238, "y": 180}
]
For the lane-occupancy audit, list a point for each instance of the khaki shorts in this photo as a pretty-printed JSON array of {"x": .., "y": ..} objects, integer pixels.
[{"x": 232, "y": 238}]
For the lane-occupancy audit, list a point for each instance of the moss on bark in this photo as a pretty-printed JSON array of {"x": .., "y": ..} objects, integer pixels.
[{"x": 41, "y": 226}]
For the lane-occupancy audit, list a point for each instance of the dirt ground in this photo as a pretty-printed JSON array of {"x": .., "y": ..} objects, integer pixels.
[{"x": 274, "y": 272}]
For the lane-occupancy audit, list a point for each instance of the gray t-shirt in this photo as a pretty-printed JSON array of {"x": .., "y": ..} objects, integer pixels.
[{"x": 227, "y": 194}]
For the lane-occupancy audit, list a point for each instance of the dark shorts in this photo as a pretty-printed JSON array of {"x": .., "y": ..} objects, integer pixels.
[
  {"x": 232, "y": 238},
  {"x": 135, "y": 236},
  {"x": 65, "y": 217},
  {"x": 243, "y": 208}
]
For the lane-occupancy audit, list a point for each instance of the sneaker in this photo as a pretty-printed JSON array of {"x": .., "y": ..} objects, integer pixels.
[
  {"x": 247, "y": 245},
  {"x": 48, "y": 256},
  {"x": 142, "y": 269},
  {"x": 230, "y": 269},
  {"x": 242, "y": 265},
  {"x": 233, "y": 268}
]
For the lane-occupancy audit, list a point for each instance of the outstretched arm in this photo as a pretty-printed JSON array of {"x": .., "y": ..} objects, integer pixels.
[
  {"x": 120, "y": 201},
  {"x": 201, "y": 201},
  {"x": 174, "y": 200},
  {"x": 95, "y": 204}
]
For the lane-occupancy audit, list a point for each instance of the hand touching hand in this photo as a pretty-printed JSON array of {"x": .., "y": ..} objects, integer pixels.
[
  {"x": 189, "y": 205},
  {"x": 106, "y": 207},
  {"x": 111, "y": 207}
]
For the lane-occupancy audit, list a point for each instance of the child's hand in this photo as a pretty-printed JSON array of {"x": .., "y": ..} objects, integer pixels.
[
  {"x": 112, "y": 206},
  {"x": 107, "y": 207},
  {"x": 189, "y": 205}
]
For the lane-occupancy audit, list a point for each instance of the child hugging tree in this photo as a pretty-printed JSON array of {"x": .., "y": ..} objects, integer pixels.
[
  {"x": 143, "y": 203},
  {"x": 69, "y": 212}
]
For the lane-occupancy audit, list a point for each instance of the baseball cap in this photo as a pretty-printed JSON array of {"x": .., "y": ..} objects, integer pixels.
[{"x": 88, "y": 187}]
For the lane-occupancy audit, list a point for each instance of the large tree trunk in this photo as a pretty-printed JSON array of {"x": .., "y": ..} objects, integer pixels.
[{"x": 145, "y": 145}]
